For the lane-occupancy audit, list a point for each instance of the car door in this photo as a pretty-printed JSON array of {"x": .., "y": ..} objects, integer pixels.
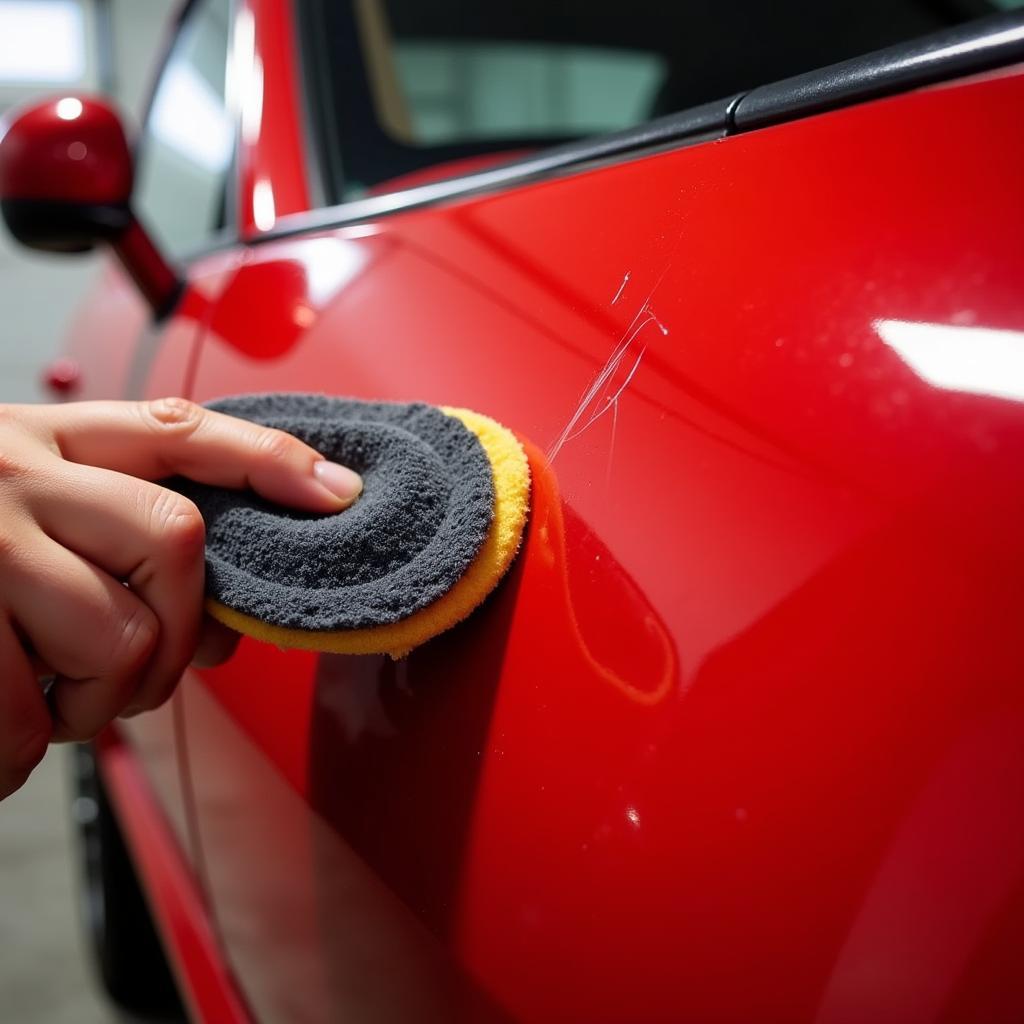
[{"x": 739, "y": 737}]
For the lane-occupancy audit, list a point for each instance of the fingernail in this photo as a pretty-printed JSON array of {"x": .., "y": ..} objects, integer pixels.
[{"x": 339, "y": 480}]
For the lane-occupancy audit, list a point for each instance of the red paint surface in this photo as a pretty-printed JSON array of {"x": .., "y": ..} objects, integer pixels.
[
  {"x": 272, "y": 170},
  {"x": 81, "y": 156},
  {"x": 178, "y": 905},
  {"x": 740, "y": 737}
]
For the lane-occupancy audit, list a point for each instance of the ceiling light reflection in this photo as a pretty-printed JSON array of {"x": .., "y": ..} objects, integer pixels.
[
  {"x": 264, "y": 212},
  {"x": 69, "y": 108},
  {"x": 978, "y": 360},
  {"x": 329, "y": 263}
]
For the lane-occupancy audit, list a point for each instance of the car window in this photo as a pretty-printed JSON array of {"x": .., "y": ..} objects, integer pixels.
[
  {"x": 409, "y": 86},
  {"x": 187, "y": 145},
  {"x": 460, "y": 90}
]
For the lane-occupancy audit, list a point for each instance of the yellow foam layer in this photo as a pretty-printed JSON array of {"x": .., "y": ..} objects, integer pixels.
[{"x": 511, "y": 502}]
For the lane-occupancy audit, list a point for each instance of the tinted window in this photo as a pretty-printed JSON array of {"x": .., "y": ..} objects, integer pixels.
[
  {"x": 413, "y": 85},
  {"x": 188, "y": 143}
]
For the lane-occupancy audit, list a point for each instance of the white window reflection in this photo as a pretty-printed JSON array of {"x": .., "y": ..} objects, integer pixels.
[
  {"x": 190, "y": 117},
  {"x": 978, "y": 360}
]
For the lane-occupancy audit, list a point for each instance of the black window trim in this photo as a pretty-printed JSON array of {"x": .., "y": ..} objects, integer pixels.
[{"x": 971, "y": 48}]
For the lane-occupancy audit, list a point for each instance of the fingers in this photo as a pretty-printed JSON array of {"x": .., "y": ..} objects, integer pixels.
[
  {"x": 148, "y": 536},
  {"x": 174, "y": 436},
  {"x": 94, "y": 633},
  {"x": 24, "y": 719},
  {"x": 101, "y": 574}
]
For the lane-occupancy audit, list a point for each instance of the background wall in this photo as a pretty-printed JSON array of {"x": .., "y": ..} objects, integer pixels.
[{"x": 44, "y": 976}]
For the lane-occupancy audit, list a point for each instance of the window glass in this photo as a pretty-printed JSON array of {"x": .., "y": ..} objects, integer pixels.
[
  {"x": 414, "y": 90},
  {"x": 187, "y": 147},
  {"x": 456, "y": 90}
]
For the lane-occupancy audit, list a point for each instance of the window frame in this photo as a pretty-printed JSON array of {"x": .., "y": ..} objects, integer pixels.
[{"x": 976, "y": 46}]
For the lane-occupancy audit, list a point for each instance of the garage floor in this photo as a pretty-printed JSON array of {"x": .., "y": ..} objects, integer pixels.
[{"x": 44, "y": 976}]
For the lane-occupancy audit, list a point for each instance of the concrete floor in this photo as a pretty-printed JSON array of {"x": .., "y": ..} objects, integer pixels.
[{"x": 44, "y": 974}]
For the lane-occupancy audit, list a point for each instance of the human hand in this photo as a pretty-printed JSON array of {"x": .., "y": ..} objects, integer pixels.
[{"x": 101, "y": 570}]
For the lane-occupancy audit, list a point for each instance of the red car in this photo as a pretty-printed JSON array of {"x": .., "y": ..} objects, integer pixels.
[{"x": 741, "y": 736}]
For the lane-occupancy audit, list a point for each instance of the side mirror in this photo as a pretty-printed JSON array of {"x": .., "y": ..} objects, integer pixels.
[{"x": 66, "y": 177}]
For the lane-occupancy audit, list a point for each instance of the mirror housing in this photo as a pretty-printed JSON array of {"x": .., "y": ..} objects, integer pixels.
[{"x": 66, "y": 176}]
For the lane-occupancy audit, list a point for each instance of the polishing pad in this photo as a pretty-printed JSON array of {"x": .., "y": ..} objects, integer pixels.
[{"x": 439, "y": 521}]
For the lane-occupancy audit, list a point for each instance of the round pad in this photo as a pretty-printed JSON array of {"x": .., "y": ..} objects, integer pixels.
[{"x": 418, "y": 550}]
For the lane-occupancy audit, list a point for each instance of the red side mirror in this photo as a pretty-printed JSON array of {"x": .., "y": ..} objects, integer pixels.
[{"x": 65, "y": 184}]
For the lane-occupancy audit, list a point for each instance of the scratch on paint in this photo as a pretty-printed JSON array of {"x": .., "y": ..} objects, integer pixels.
[
  {"x": 622, "y": 288},
  {"x": 593, "y": 401},
  {"x": 610, "y": 401},
  {"x": 591, "y": 398}
]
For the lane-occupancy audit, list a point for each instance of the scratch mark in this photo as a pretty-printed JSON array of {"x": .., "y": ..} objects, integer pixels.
[
  {"x": 622, "y": 288},
  {"x": 644, "y": 316},
  {"x": 610, "y": 401}
]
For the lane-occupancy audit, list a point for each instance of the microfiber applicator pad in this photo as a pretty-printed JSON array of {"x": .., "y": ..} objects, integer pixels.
[{"x": 439, "y": 521}]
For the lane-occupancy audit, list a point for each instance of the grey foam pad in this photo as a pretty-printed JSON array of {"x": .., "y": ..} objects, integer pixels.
[{"x": 426, "y": 507}]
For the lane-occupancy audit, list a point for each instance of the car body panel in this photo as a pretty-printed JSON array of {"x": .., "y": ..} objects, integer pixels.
[
  {"x": 740, "y": 736},
  {"x": 174, "y": 894},
  {"x": 272, "y": 173}
]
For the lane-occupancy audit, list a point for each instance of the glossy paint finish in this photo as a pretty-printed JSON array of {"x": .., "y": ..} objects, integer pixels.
[
  {"x": 742, "y": 734},
  {"x": 272, "y": 178},
  {"x": 282, "y": 880},
  {"x": 178, "y": 905},
  {"x": 69, "y": 148}
]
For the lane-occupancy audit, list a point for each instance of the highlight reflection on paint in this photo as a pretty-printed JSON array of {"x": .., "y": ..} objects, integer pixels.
[{"x": 978, "y": 360}]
